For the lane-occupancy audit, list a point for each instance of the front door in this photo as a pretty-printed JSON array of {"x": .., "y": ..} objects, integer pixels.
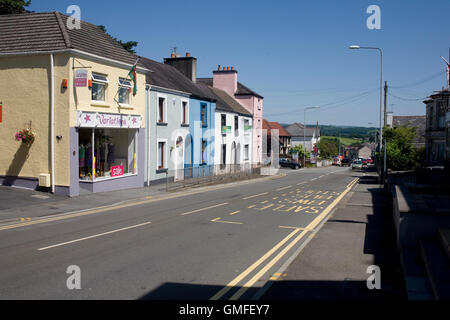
[{"x": 179, "y": 159}]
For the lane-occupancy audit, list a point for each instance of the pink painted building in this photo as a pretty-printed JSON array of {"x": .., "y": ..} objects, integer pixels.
[{"x": 226, "y": 79}]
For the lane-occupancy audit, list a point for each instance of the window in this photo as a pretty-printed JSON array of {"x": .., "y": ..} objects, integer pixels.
[
  {"x": 99, "y": 84},
  {"x": 441, "y": 115},
  {"x": 124, "y": 91},
  {"x": 246, "y": 152},
  {"x": 106, "y": 153},
  {"x": 223, "y": 123},
  {"x": 203, "y": 115},
  {"x": 161, "y": 154},
  {"x": 184, "y": 112},
  {"x": 247, "y": 127},
  {"x": 236, "y": 125},
  {"x": 224, "y": 154},
  {"x": 161, "y": 109},
  {"x": 430, "y": 118},
  {"x": 203, "y": 155}
]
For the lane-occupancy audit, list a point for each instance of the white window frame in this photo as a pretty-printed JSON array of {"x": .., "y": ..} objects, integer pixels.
[
  {"x": 161, "y": 96},
  {"x": 247, "y": 156},
  {"x": 246, "y": 132},
  {"x": 165, "y": 154},
  {"x": 127, "y": 86},
  {"x": 96, "y": 79},
  {"x": 187, "y": 111}
]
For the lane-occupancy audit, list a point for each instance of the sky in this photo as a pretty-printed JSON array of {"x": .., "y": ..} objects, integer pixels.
[{"x": 294, "y": 53}]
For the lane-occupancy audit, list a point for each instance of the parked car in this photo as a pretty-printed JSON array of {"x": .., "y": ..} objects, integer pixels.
[
  {"x": 369, "y": 161},
  {"x": 357, "y": 164},
  {"x": 345, "y": 162},
  {"x": 285, "y": 162},
  {"x": 336, "y": 161}
]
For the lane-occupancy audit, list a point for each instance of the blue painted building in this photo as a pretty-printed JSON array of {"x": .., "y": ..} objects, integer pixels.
[
  {"x": 179, "y": 123},
  {"x": 201, "y": 128}
]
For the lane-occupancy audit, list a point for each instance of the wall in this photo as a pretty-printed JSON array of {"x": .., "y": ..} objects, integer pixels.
[
  {"x": 198, "y": 132},
  {"x": 25, "y": 93},
  {"x": 241, "y": 139},
  {"x": 168, "y": 132},
  {"x": 255, "y": 106}
]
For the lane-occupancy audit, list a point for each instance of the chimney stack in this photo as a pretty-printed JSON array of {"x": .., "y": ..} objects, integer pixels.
[
  {"x": 225, "y": 78},
  {"x": 186, "y": 65}
]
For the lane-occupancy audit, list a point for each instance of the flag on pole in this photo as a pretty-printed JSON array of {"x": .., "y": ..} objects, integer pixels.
[{"x": 132, "y": 75}]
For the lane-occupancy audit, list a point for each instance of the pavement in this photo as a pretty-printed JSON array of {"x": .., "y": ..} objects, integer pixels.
[
  {"x": 333, "y": 266},
  {"x": 220, "y": 242}
]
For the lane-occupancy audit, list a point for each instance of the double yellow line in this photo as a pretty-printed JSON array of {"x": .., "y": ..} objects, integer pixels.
[{"x": 283, "y": 252}]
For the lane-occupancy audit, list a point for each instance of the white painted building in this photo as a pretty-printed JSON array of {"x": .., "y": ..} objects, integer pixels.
[{"x": 233, "y": 134}]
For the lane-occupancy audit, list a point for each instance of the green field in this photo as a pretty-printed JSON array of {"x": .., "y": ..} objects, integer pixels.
[{"x": 345, "y": 141}]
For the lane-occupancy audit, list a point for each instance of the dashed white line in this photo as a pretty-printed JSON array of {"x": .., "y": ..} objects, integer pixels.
[{"x": 93, "y": 236}]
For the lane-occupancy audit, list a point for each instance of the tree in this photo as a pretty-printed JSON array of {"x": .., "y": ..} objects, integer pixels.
[
  {"x": 128, "y": 45},
  {"x": 400, "y": 153},
  {"x": 328, "y": 147},
  {"x": 299, "y": 149},
  {"x": 13, "y": 6}
]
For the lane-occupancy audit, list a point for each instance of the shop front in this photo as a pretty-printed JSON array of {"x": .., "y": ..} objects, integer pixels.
[{"x": 109, "y": 151}]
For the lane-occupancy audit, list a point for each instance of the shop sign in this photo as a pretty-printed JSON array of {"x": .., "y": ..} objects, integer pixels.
[
  {"x": 117, "y": 171},
  {"x": 108, "y": 120},
  {"x": 80, "y": 78}
]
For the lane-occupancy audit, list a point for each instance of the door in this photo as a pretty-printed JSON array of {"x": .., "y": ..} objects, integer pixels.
[{"x": 179, "y": 159}]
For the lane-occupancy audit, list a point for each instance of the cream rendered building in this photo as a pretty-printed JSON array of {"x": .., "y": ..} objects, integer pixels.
[{"x": 89, "y": 136}]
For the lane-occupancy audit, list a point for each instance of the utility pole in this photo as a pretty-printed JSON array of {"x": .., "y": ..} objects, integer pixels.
[
  {"x": 385, "y": 114},
  {"x": 385, "y": 101}
]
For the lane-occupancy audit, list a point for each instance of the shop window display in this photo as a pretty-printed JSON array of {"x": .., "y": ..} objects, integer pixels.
[{"x": 113, "y": 153}]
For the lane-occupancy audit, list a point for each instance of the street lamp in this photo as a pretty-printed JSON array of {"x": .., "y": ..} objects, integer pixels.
[
  {"x": 381, "y": 88},
  {"x": 304, "y": 129}
]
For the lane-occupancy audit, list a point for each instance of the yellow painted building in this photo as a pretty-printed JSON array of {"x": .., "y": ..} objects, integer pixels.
[{"x": 71, "y": 88}]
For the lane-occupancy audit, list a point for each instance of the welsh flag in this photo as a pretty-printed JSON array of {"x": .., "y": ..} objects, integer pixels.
[{"x": 132, "y": 75}]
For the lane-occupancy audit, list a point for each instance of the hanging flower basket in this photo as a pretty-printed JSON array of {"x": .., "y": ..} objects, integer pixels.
[{"x": 26, "y": 136}]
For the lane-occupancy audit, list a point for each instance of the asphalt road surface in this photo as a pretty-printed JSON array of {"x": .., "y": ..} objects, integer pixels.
[{"x": 218, "y": 244}]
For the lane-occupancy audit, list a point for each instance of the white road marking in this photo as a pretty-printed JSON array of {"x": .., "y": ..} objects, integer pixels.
[
  {"x": 256, "y": 195},
  {"x": 94, "y": 236},
  {"x": 202, "y": 209},
  {"x": 279, "y": 189}
]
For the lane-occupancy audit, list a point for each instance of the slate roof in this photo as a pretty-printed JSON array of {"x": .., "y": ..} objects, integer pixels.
[
  {"x": 418, "y": 122},
  {"x": 225, "y": 102},
  {"x": 47, "y": 31},
  {"x": 241, "y": 89},
  {"x": 296, "y": 130},
  {"x": 166, "y": 76}
]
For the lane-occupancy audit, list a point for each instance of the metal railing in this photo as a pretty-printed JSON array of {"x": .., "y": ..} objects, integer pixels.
[{"x": 209, "y": 174}]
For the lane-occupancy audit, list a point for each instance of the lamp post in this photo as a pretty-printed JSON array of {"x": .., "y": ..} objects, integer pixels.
[
  {"x": 354, "y": 47},
  {"x": 304, "y": 129}
]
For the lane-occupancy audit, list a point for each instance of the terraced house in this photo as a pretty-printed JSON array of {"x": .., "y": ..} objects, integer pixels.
[
  {"x": 226, "y": 79},
  {"x": 233, "y": 130},
  {"x": 72, "y": 118},
  {"x": 180, "y": 126}
]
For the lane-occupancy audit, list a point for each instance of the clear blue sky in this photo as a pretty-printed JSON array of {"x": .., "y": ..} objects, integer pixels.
[{"x": 294, "y": 53}]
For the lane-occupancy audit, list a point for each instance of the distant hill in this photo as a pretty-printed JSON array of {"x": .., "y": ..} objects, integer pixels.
[{"x": 364, "y": 133}]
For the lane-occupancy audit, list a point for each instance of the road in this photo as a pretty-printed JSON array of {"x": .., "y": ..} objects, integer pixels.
[{"x": 219, "y": 244}]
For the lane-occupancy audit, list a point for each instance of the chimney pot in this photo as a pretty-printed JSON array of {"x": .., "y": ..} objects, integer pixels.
[
  {"x": 188, "y": 54},
  {"x": 218, "y": 67},
  {"x": 232, "y": 68},
  {"x": 228, "y": 68},
  {"x": 172, "y": 55}
]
